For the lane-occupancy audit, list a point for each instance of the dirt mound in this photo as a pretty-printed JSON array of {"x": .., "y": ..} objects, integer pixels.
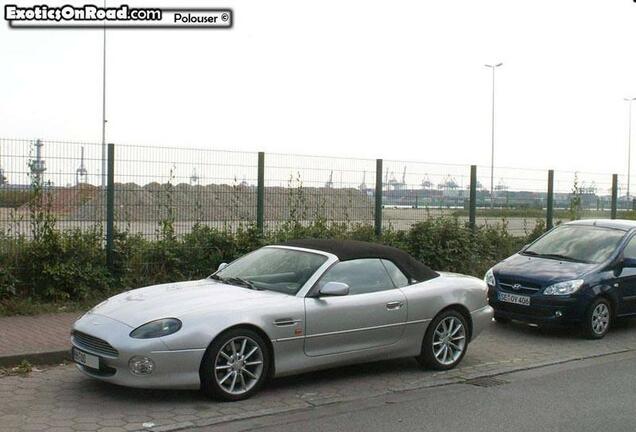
[
  {"x": 215, "y": 202},
  {"x": 65, "y": 201}
]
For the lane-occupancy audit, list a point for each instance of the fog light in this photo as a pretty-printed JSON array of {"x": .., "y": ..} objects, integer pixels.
[
  {"x": 558, "y": 314},
  {"x": 141, "y": 365}
]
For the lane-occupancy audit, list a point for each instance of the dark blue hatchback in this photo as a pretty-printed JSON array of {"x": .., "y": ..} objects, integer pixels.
[{"x": 581, "y": 272}]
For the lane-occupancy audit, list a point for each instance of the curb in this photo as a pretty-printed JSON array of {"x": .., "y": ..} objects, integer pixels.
[{"x": 47, "y": 357}]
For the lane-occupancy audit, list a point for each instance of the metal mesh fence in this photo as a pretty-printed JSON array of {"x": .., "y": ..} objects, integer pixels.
[
  {"x": 519, "y": 198},
  {"x": 185, "y": 186},
  {"x": 583, "y": 195},
  {"x": 64, "y": 175},
  {"x": 414, "y": 191},
  {"x": 306, "y": 188},
  {"x": 219, "y": 189}
]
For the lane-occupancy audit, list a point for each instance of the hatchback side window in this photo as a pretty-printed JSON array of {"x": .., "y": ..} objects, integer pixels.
[
  {"x": 362, "y": 275},
  {"x": 398, "y": 278},
  {"x": 630, "y": 249}
]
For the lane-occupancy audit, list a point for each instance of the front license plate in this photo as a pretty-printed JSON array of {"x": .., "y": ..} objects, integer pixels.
[
  {"x": 85, "y": 359},
  {"x": 514, "y": 298}
]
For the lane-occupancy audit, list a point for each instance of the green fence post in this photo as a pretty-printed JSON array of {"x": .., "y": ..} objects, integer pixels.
[
  {"x": 472, "y": 205},
  {"x": 549, "y": 222},
  {"x": 110, "y": 206},
  {"x": 378, "y": 197},
  {"x": 260, "y": 194},
  {"x": 614, "y": 194}
]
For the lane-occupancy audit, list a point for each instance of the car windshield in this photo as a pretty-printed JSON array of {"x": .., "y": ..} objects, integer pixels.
[
  {"x": 577, "y": 243},
  {"x": 274, "y": 269}
]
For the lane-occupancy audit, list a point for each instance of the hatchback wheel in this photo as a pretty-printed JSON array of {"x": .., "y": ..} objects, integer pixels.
[
  {"x": 235, "y": 365},
  {"x": 598, "y": 319},
  {"x": 445, "y": 341}
]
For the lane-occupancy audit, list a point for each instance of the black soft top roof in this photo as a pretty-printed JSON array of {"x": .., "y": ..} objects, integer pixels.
[{"x": 347, "y": 250}]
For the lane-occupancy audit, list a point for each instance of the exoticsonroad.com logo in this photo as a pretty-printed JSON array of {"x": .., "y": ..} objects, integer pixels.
[{"x": 123, "y": 16}]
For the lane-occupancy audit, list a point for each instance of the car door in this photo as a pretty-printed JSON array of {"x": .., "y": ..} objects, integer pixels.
[
  {"x": 371, "y": 316},
  {"x": 627, "y": 281}
]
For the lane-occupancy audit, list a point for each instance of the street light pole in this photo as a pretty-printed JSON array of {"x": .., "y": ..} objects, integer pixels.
[
  {"x": 629, "y": 144},
  {"x": 492, "y": 150},
  {"x": 104, "y": 106}
]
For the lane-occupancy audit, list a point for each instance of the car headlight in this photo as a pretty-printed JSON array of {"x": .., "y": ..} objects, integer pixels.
[
  {"x": 490, "y": 278},
  {"x": 564, "y": 288},
  {"x": 155, "y": 329}
]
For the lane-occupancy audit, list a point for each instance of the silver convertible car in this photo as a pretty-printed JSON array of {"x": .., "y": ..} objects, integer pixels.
[{"x": 282, "y": 310}]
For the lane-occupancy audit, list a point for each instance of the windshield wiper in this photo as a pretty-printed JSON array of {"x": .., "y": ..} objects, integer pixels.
[
  {"x": 563, "y": 257},
  {"x": 242, "y": 282},
  {"x": 555, "y": 256}
]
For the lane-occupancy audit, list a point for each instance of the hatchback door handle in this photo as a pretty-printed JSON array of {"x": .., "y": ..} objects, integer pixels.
[{"x": 394, "y": 305}]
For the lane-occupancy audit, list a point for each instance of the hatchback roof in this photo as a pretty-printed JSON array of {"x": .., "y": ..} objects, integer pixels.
[{"x": 621, "y": 224}]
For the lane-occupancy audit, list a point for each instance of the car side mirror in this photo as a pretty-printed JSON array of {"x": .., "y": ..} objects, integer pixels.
[
  {"x": 629, "y": 262},
  {"x": 334, "y": 289},
  {"x": 222, "y": 266}
]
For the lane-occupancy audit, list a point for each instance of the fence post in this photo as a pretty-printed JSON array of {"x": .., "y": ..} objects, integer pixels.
[
  {"x": 378, "y": 197},
  {"x": 472, "y": 205},
  {"x": 110, "y": 205},
  {"x": 614, "y": 194},
  {"x": 260, "y": 194},
  {"x": 549, "y": 222}
]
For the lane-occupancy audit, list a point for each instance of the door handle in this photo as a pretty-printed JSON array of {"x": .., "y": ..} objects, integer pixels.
[{"x": 394, "y": 305}]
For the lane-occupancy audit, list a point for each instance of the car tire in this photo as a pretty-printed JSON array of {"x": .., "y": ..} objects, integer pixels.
[
  {"x": 502, "y": 320},
  {"x": 598, "y": 319},
  {"x": 235, "y": 365},
  {"x": 445, "y": 341}
]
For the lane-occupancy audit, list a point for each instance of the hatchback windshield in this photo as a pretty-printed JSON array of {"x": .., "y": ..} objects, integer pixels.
[
  {"x": 275, "y": 269},
  {"x": 582, "y": 243}
]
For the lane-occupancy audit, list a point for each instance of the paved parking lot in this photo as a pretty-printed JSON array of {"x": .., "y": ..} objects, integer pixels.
[{"x": 58, "y": 398}]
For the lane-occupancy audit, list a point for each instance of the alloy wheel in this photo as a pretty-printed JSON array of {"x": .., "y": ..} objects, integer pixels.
[
  {"x": 600, "y": 318},
  {"x": 449, "y": 340},
  {"x": 239, "y": 365}
]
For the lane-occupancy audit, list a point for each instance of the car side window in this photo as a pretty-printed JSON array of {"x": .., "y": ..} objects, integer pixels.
[
  {"x": 630, "y": 249},
  {"x": 398, "y": 278},
  {"x": 362, "y": 275}
]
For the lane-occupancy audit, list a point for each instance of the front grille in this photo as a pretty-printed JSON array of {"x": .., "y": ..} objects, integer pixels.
[
  {"x": 519, "y": 287},
  {"x": 94, "y": 344}
]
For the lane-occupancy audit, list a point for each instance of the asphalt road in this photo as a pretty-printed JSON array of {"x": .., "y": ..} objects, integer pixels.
[{"x": 588, "y": 395}]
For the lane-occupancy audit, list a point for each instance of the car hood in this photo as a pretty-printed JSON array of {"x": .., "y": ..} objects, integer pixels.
[
  {"x": 175, "y": 300},
  {"x": 543, "y": 271}
]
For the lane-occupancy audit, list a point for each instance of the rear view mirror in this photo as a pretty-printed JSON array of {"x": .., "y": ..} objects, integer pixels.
[
  {"x": 335, "y": 289},
  {"x": 222, "y": 266},
  {"x": 629, "y": 262}
]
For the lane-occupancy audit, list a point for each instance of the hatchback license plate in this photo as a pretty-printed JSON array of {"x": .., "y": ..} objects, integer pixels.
[
  {"x": 514, "y": 298},
  {"x": 85, "y": 359}
]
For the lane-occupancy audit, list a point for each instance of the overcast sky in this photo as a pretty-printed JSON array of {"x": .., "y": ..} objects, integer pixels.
[{"x": 399, "y": 80}]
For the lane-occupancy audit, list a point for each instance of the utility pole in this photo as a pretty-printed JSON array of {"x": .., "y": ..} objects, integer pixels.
[{"x": 104, "y": 149}]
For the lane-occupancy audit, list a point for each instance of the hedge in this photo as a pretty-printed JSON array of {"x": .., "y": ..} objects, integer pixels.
[{"x": 57, "y": 266}]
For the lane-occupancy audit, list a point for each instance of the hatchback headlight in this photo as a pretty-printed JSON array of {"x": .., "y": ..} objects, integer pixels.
[
  {"x": 564, "y": 288},
  {"x": 155, "y": 329},
  {"x": 490, "y": 278}
]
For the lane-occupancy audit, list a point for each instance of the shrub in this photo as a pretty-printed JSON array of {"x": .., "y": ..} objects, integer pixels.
[{"x": 71, "y": 265}]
